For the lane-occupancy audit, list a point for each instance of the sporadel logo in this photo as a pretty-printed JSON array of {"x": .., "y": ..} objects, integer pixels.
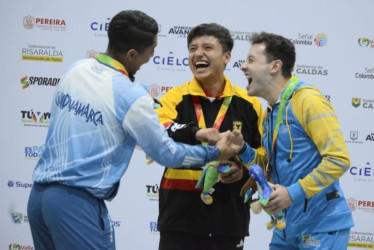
[{"x": 38, "y": 80}]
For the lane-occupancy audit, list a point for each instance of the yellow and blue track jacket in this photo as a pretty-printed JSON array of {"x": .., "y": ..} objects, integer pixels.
[
  {"x": 180, "y": 206},
  {"x": 309, "y": 157},
  {"x": 98, "y": 116}
]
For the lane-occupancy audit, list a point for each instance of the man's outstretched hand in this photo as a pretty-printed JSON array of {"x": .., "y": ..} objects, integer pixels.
[{"x": 229, "y": 144}]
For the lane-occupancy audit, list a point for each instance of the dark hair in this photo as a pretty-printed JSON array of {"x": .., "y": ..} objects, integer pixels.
[
  {"x": 277, "y": 48},
  {"x": 212, "y": 29},
  {"x": 131, "y": 29}
]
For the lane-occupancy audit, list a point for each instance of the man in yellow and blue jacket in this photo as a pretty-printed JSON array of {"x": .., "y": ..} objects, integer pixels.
[{"x": 305, "y": 150}]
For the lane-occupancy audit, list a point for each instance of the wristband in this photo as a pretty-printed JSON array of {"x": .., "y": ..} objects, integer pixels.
[{"x": 242, "y": 150}]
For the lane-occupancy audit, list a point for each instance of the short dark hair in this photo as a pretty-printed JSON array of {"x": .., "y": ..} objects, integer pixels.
[
  {"x": 212, "y": 29},
  {"x": 131, "y": 29},
  {"x": 277, "y": 48}
]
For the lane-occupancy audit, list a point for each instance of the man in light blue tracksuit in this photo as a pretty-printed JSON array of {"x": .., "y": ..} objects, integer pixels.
[
  {"x": 305, "y": 150},
  {"x": 99, "y": 114}
]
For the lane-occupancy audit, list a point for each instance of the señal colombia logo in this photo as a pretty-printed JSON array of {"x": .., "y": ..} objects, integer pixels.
[
  {"x": 319, "y": 39},
  {"x": 44, "y": 23}
]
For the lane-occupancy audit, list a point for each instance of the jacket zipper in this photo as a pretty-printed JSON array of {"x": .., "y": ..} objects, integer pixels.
[{"x": 275, "y": 164}]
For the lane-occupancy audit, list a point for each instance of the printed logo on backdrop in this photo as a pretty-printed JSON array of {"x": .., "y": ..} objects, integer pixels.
[
  {"x": 365, "y": 42},
  {"x": 160, "y": 33},
  {"x": 33, "y": 152},
  {"x": 16, "y": 246},
  {"x": 42, "y": 23},
  {"x": 361, "y": 240},
  {"x": 19, "y": 184},
  {"x": 100, "y": 27},
  {"x": 235, "y": 64},
  {"x": 42, "y": 53},
  {"x": 91, "y": 53},
  {"x": 353, "y": 136},
  {"x": 39, "y": 80},
  {"x": 309, "y": 39},
  {"x": 367, "y": 74},
  {"x": 320, "y": 39},
  {"x": 170, "y": 62},
  {"x": 303, "y": 69},
  {"x": 328, "y": 97},
  {"x": 153, "y": 227},
  {"x": 240, "y": 35},
  {"x": 152, "y": 192},
  {"x": 364, "y": 103},
  {"x": 35, "y": 118},
  {"x": 370, "y": 137},
  {"x": 179, "y": 31},
  {"x": 356, "y": 102},
  {"x": 19, "y": 218},
  {"x": 364, "y": 206},
  {"x": 116, "y": 223},
  {"x": 157, "y": 91},
  {"x": 352, "y": 203},
  {"x": 363, "y": 173}
]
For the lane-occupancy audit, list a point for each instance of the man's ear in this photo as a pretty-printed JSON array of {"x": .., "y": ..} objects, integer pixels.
[
  {"x": 227, "y": 57},
  {"x": 276, "y": 66},
  {"x": 131, "y": 54}
]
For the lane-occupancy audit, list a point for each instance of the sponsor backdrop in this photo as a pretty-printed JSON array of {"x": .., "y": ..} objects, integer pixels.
[{"x": 40, "y": 39}]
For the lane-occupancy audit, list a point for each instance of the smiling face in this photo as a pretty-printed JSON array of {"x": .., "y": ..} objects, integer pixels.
[
  {"x": 206, "y": 59},
  {"x": 138, "y": 59},
  {"x": 257, "y": 70}
]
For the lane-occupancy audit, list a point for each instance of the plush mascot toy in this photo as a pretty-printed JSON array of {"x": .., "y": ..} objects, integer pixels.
[
  {"x": 208, "y": 178},
  {"x": 264, "y": 190}
]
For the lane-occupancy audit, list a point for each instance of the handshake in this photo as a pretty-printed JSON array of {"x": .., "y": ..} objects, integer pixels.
[{"x": 229, "y": 143}]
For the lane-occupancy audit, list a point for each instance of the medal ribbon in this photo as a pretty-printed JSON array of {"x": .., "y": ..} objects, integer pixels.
[
  {"x": 286, "y": 95},
  {"x": 220, "y": 116},
  {"x": 112, "y": 63}
]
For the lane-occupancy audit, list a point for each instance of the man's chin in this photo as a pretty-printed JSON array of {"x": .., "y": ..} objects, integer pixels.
[{"x": 250, "y": 92}]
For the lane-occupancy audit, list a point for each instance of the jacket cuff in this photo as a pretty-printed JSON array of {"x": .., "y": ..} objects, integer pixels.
[
  {"x": 193, "y": 131},
  {"x": 248, "y": 155},
  {"x": 296, "y": 192}
]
